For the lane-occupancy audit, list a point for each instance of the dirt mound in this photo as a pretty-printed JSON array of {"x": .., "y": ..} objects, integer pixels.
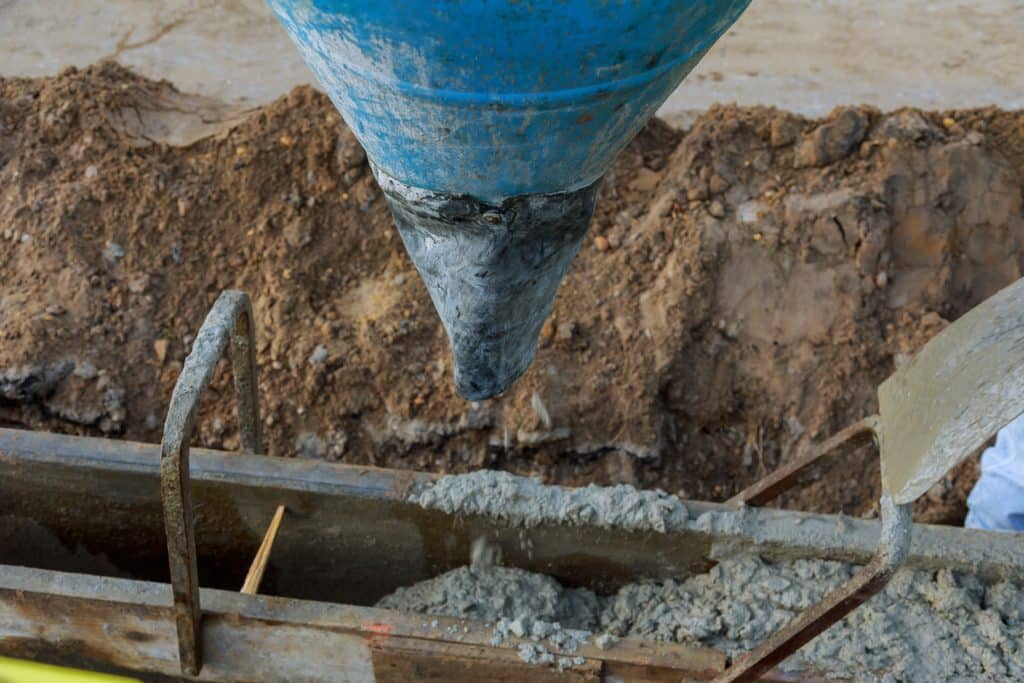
[{"x": 745, "y": 287}]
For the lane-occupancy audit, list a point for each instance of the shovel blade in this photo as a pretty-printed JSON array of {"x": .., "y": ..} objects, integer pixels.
[{"x": 965, "y": 385}]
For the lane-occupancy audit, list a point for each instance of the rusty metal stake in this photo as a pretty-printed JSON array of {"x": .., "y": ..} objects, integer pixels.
[
  {"x": 230, "y": 320},
  {"x": 893, "y": 547},
  {"x": 807, "y": 466}
]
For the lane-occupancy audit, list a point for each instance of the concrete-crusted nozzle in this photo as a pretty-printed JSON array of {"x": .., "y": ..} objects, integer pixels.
[{"x": 492, "y": 271}]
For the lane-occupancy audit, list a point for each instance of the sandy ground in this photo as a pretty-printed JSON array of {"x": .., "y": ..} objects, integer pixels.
[
  {"x": 745, "y": 287},
  {"x": 806, "y": 56}
]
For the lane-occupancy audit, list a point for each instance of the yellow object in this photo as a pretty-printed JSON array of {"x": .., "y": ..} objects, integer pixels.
[{"x": 20, "y": 671}]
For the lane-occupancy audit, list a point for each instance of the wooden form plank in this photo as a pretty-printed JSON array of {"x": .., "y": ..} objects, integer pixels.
[
  {"x": 351, "y": 536},
  {"x": 92, "y": 505},
  {"x": 119, "y": 624},
  {"x": 400, "y": 660}
]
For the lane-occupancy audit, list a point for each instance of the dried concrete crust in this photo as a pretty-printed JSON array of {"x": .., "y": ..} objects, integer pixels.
[{"x": 523, "y": 502}]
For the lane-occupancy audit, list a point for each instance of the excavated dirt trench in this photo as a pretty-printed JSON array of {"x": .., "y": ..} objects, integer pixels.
[{"x": 745, "y": 286}]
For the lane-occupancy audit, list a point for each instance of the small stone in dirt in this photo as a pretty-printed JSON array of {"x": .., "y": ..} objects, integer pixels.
[
  {"x": 113, "y": 251},
  {"x": 296, "y": 234},
  {"x": 952, "y": 126},
  {"x": 319, "y": 355},
  {"x": 138, "y": 285},
  {"x": 908, "y": 125},
  {"x": 832, "y": 141},
  {"x": 564, "y": 331},
  {"x": 717, "y": 184},
  {"x": 160, "y": 347},
  {"x": 309, "y": 445},
  {"x": 645, "y": 181},
  {"x": 784, "y": 130},
  {"x": 348, "y": 153},
  {"x": 751, "y": 211},
  {"x": 547, "y": 332},
  {"x": 85, "y": 370},
  {"x": 601, "y": 242},
  {"x": 329, "y": 447},
  {"x": 541, "y": 410},
  {"x": 91, "y": 172},
  {"x": 716, "y": 209}
]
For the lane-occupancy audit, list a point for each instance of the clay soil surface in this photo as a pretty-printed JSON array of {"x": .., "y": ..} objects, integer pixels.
[{"x": 745, "y": 286}]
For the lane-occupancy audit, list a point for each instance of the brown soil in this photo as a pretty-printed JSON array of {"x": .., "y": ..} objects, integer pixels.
[{"x": 745, "y": 287}]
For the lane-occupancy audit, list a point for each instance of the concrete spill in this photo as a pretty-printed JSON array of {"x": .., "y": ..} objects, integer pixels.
[
  {"x": 926, "y": 625},
  {"x": 937, "y": 625}
]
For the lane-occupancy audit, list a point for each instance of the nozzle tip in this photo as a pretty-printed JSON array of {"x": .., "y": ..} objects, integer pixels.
[{"x": 491, "y": 271}]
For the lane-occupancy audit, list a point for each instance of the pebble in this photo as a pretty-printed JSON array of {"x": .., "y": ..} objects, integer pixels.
[
  {"x": 645, "y": 181},
  {"x": 319, "y": 355},
  {"x": 85, "y": 370},
  {"x": 547, "y": 332},
  {"x": 716, "y": 209},
  {"x": 952, "y": 126},
  {"x": 160, "y": 347},
  {"x": 833, "y": 140},
  {"x": 601, "y": 242},
  {"x": 113, "y": 251}
]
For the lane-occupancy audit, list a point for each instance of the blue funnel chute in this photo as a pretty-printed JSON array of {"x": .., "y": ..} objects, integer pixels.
[{"x": 489, "y": 100}]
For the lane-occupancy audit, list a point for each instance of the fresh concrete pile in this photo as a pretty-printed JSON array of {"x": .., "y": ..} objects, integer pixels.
[
  {"x": 494, "y": 593},
  {"x": 519, "y": 603},
  {"x": 926, "y": 625}
]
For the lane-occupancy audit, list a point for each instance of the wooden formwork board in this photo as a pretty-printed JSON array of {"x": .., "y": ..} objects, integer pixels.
[
  {"x": 127, "y": 625},
  {"x": 84, "y": 517}
]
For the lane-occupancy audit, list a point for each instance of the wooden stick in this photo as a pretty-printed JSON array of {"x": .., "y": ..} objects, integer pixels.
[{"x": 259, "y": 563}]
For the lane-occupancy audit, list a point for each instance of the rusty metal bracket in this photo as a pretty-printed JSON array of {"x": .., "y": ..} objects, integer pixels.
[
  {"x": 809, "y": 465},
  {"x": 229, "y": 321},
  {"x": 893, "y": 547}
]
